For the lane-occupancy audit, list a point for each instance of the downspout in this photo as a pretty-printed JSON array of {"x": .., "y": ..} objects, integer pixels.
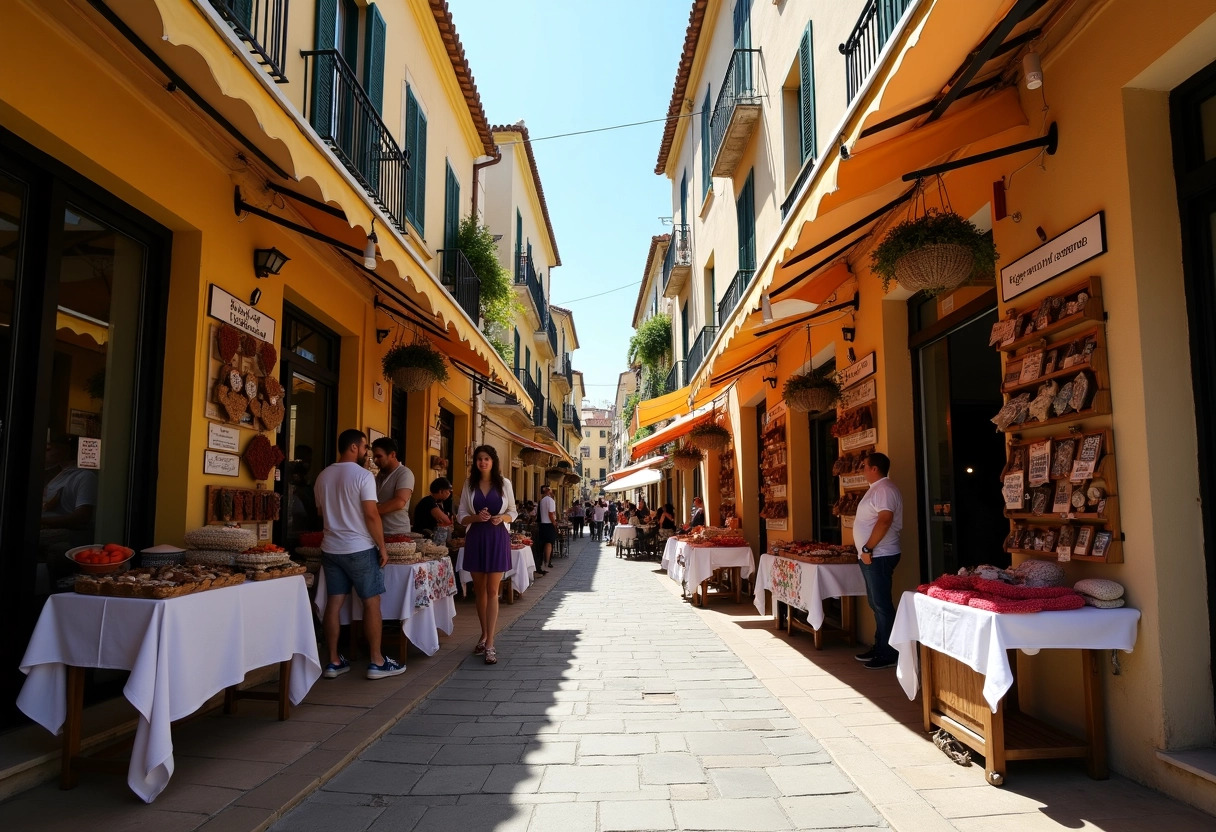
[{"x": 477, "y": 166}]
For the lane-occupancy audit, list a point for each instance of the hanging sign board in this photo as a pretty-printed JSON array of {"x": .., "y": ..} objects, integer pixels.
[
  {"x": 225, "y": 465},
  {"x": 223, "y": 438},
  {"x": 863, "y": 393},
  {"x": 861, "y": 439},
  {"x": 858, "y": 370},
  {"x": 230, "y": 310},
  {"x": 776, "y": 525},
  {"x": 1075, "y": 246}
]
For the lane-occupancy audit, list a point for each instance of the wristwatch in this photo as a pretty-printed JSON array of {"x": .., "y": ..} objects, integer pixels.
[{"x": 867, "y": 550}]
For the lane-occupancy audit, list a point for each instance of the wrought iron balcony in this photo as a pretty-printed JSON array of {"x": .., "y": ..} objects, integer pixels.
[
  {"x": 562, "y": 371},
  {"x": 345, "y": 119},
  {"x": 677, "y": 377},
  {"x": 700, "y": 348},
  {"x": 871, "y": 33},
  {"x": 262, "y": 26},
  {"x": 457, "y": 275},
  {"x": 533, "y": 390},
  {"x": 734, "y": 293},
  {"x": 551, "y": 420},
  {"x": 677, "y": 262},
  {"x": 551, "y": 332},
  {"x": 526, "y": 276},
  {"x": 570, "y": 417},
  {"x": 736, "y": 112}
]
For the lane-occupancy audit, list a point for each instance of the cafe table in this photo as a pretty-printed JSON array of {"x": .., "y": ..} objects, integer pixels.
[
  {"x": 515, "y": 582},
  {"x": 693, "y": 566},
  {"x": 419, "y": 595},
  {"x": 623, "y": 534},
  {"x": 180, "y": 652},
  {"x": 969, "y": 683},
  {"x": 805, "y": 586}
]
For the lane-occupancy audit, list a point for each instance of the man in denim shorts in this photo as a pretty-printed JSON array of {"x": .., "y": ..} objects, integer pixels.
[{"x": 353, "y": 552}]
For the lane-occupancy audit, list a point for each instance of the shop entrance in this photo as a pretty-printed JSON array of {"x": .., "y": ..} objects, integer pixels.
[
  {"x": 825, "y": 487},
  {"x": 959, "y": 455},
  {"x": 762, "y": 526},
  {"x": 82, "y": 306},
  {"x": 1193, "y": 124}
]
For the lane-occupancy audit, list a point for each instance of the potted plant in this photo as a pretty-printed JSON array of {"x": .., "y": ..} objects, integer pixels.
[
  {"x": 687, "y": 457},
  {"x": 414, "y": 367},
  {"x": 934, "y": 252},
  {"x": 812, "y": 392},
  {"x": 709, "y": 436}
]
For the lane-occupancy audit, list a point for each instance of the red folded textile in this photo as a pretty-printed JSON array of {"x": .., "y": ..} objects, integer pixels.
[
  {"x": 996, "y": 596},
  {"x": 1004, "y": 605},
  {"x": 1020, "y": 593},
  {"x": 954, "y": 596}
]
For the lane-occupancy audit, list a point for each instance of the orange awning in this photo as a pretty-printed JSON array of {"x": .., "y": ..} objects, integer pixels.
[
  {"x": 637, "y": 466},
  {"x": 667, "y": 406},
  {"x": 673, "y": 431},
  {"x": 543, "y": 447}
]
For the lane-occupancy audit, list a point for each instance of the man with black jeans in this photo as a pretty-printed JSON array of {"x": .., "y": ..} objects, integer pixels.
[
  {"x": 880, "y": 517},
  {"x": 546, "y": 531}
]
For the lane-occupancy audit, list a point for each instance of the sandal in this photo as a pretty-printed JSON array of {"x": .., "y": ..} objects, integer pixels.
[
  {"x": 480, "y": 648},
  {"x": 491, "y": 656}
]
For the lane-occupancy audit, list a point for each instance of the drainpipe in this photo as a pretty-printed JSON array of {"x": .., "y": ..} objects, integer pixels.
[{"x": 477, "y": 166}]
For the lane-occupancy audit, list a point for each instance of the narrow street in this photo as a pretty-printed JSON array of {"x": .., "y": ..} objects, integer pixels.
[{"x": 613, "y": 707}]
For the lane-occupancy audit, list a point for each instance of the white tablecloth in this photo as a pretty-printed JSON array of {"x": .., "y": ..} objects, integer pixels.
[
  {"x": 523, "y": 567},
  {"x": 420, "y": 621},
  {"x": 180, "y": 651},
  {"x": 805, "y": 585},
  {"x": 622, "y": 534},
  {"x": 690, "y": 565},
  {"x": 979, "y": 638}
]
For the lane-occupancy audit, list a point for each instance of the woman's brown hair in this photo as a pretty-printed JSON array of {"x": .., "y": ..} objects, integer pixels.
[{"x": 495, "y": 471}]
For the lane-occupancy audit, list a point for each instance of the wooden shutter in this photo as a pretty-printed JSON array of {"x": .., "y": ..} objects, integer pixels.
[
  {"x": 324, "y": 72},
  {"x": 706, "y": 146},
  {"x": 374, "y": 35},
  {"x": 745, "y": 216},
  {"x": 420, "y": 175},
  {"x": 451, "y": 209},
  {"x": 806, "y": 95},
  {"x": 515, "y": 356},
  {"x": 415, "y": 144},
  {"x": 242, "y": 10},
  {"x": 519, "y": 244}
]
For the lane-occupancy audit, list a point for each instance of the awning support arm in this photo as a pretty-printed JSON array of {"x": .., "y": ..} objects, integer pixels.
[
  {"x": 243, "y": 207},
  {"x": 1049, "y": 142}
]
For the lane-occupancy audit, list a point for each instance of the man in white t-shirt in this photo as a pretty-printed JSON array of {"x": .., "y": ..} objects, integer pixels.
[
  {"x": 880, "y": 517},
  {"x": 546, "y": 518},
  {"x": 353, "y": 553},
  {"x": 394, "y": 486},
  {"x": 597, "y": 519}
]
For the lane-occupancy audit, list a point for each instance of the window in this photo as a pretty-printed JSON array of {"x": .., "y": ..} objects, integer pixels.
[
  {"x": 603, "y": 473},
  {"x": 603, "y": 434},
  {"x": 603, "y": 452},
  {"x": 519, "y": 246},
  {"x": 745, "y": 214},
  {"x": 451, "y": 209},
  {"x": 706, "y": 162},
  {"x": 798, "y": 102},
  {"x": 585, "y": 452},
  {"x": 415, "y": 146},
  {"x": 515, "y": 357}
]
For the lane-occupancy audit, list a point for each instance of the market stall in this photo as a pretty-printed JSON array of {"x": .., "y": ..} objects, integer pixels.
[
  {"x": 717, "y": 556},
  {"x": 180, "y": 651},
  {"x": 803, "y": 575}
]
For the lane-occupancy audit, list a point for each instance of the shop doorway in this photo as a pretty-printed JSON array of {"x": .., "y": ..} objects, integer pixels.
[
  {"x": 825, "y": 487},
  {"x": 762, "y": 526},
  {"x": 309, "y": 374},
  {"x": 960, "y": 456},
  {"x": 83, "y": 281},
  {"x": 1193, "y": 125}
]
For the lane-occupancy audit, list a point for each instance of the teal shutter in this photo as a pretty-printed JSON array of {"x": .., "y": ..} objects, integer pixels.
[
  {"x": 519, "y": 245},
  {"x": 745, "y": 216},
  {"x": 242, "y": 10},
  {"x": 706, "y": 150},
  {"x": 683, "y": 202},
  {"x": 515, "y": 357},
  {"x": 374, "y": 35},
  {"x": 420, "y": 176},
  {"x": 324, "y": 71},
  {"x": 806, "y": 95},
  {"x": 415, "y": 145},
  {"x": 451, "y": 209}
]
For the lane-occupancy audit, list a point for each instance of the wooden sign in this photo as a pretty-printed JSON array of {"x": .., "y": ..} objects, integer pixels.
[
  {"x": 227, "y": 308},
  {"x": 861, "y": 439},
  {"x": 220, "y": 464},
  {"x": 863, "y": 393},
  {"x": 858, "y": 370},
  {"x": 853, "y": 481},
  {"x": 1075, "y": 246}
]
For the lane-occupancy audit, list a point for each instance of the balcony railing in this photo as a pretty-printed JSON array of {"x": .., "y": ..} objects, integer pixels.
[
  {"x": 551, "y": 331},
  {"x": 562, "y": 367},
  {"x": 792, "y": 196},
  {"x": 262, "y": 26},
  {"x": 679, "y": 252},
  {"x": 700, "y": 348},
  {"x": 677, "y": 377},
  {"x": 871, "y": 33},
  {"x": 551, "y": 420},
  {"x": 570, "y": 417},
  {"x": 526, "y": 275},
  {"x": 342, "y": 114},
  {"x": 734, "y": 293},
  {"x": 533, "y": 391},
  {"x": 738, "y": 87},
  {"x": 463, "y": 284}
]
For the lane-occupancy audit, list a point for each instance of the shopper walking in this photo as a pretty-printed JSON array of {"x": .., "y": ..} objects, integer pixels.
[
  {"x": 880, "y": 517},
  {"x": 487, "y": 509},
  {"x": 546, "y": 530},
  {"x": 575, "y": 515},
  {"x": 353, "y": 553},
  {"x": 610, "y": 518},
  {"x": 597, "y": 520}
]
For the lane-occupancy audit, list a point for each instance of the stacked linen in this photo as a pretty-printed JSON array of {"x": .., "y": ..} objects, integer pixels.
[
  {"x": 998, "y": 596},
  {"x": 1101, "y": 593}
]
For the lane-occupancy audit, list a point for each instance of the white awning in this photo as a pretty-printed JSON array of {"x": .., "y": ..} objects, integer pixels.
[{"x": 638, "y": 479}]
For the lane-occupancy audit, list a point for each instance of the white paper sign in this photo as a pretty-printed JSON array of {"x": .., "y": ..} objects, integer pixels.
[
  {"x": 224, "y": 465},
  {"x": 263, "y": 531},
  {"x": 1040, "y": 463},
  {"x": 858, "y": 370},
  {"x": 223, "y": 438},
  {"x": 230, "y": 310},
  {"x": 853, "y": 481},
  {"x": 776, "y": 525},
  {"x": 866, "y": 391},
  {"x": 1014, "y": 491},
  {"x": 88, "y": 453},
  {"x": 1072, "y": 248},
  {"x": 861, "y": 439}
]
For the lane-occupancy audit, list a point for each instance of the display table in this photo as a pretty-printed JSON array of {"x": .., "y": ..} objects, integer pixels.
[
  {"x": 804, "y": 586},
  {"x": 419, "y": 595},
  {"x": 623, "y": 534},
  {"x": 180, "y": 651},
  {"x": 515, "y": 582},
  {"x": 693, "y": 566},
  {"x": 966, "y": 672}
]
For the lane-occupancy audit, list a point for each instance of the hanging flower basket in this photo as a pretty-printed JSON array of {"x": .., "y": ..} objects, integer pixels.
[
  {"x": 414, "y": 367},
  {"x": 709, "y": 437},
  {"x": 563, "y": 464},
  {"x": 531, "y": 456},
  {"x": 687, "y": 458},
  {"x": 572, "y": 479},
  {"x": 554, "y": 476},
  {"x": 934, "y": 253},
  {"x": 812, "y": 392}
]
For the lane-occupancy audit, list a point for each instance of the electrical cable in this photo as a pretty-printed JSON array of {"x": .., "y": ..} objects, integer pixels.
[{"x": 599, "y": 295}]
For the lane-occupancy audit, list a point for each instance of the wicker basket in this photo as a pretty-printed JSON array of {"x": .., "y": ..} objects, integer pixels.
[
  {"x": 413, "y": 379},
  {"x": 709, "y": 440},
  {"x": 686, "y": 461},
  {"x": 934, "y": 268},
  {"x": 572, "y": 479},
  {"x": 554, "y": 476},
  {"x": 531, "y": 456},
  {"x": 811, "y": 399}
]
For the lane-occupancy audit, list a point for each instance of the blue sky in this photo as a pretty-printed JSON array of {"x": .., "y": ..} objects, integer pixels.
[{"x": 565, "y": 66}]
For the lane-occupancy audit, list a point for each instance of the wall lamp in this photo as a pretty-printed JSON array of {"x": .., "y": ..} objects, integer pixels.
[
  {"x": 1032, "y": 70},
  {"x": 369, "y": 248},
  {"x": 268, "y": 261},
  {"x": 766, "y": 308},
  {"x": 381, "y": 334},
  {"x": 848, "y": 333}
]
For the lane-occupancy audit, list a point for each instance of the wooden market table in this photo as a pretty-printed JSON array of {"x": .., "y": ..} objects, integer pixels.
[
  {"x": 805, "y": 586},
  {"x": 969, "y": 686},
  {"x": 180, "y": 652}
]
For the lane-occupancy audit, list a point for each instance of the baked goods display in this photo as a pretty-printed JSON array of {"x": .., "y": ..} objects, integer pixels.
[
  {"x": 713, "y": 536},
  {"x": 217, "y": 545},
  {"x": 726, "y": 483},
  {"x": 811, "y": 551},
  {"x": 282, "y": 570},
  {"x": 260, "y": 558},
  {"x": 159, "y": 583},
  {"x": 846, "y": 504}
]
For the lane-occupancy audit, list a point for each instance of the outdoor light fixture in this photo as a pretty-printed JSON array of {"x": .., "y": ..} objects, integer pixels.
[
  {"x": 848, "y": 333},
  {"x": 381, "y": 334},
  {"x": 1032, "y": 70},
  {"x": 852, "y": 356},
  {"x": 268, "y": 261},
  {"x": 766, "y": 308},
  {"x": 369, "y": 248},
  {"x": 255, "y": 297}
]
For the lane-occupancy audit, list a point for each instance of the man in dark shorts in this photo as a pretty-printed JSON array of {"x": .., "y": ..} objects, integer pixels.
[{"x": 546, "y": 530}]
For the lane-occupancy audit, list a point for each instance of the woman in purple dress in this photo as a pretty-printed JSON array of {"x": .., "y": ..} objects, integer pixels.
[{"x": 487, "y": 507}]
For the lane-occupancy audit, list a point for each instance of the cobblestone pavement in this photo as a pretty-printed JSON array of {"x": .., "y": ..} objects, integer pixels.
[{"x": 613, "y": 706}]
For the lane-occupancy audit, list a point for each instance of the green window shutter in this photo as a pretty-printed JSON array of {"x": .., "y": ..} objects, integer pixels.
[
  {"x": 706, "y": 162},
  {"x": 242, "y": 10},
  {"x": 420, "y": 176},
  {"x": 519, "y": 244},
  {"x": 451, "y": 212},
  {"x": 515, "y": 357},
  {"x": 745, "y": 216},
  {"x": 806, "y": 95},
  {"x": 373, "y": 57},
  {"x": 415, "y": 145},
  {"x": 324, "y": 71}
]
